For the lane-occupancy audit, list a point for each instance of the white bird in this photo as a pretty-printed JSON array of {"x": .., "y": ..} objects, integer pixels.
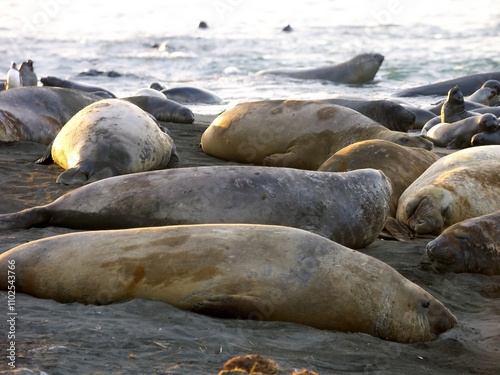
[{"x": 13, "y": 77}]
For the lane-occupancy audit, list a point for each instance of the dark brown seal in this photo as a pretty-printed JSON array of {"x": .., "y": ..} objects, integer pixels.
[{"x": 471, "y": 245}]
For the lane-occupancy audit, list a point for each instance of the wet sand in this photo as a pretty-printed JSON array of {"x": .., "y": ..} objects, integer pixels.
[{"x": 142, "y": 336}]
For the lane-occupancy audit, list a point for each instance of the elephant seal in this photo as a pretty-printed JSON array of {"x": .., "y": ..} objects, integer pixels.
[
  {"x": 468, "y": 84},
  {"x": 401, "y": 164},
  {"x": 163, "y": 109},
  {"x": 270, "y": 273},
  {"x": 486, "y": 138},
  {"x": 390, "y": 114},
  {"x": 457, "y": 187},
  {"x": 422, "y": 115},
  {"x": 349, "y": 208},
  {"x": 493, "y": 110},
  {"x": 109, "y": 138},
  {"x": 453, "y": 109},
  {"x": 148, "y": 92},
  {"x": 485, "y": 95},
  {"x": 22, "y": 120},
  {"x": 293, "y": 133},
  {"x": 360, "y": 69},
  {"x": 459, "y": 134},
  {"x": 471, "y": 245},
  {"x": 27, "y": 72},
  {"x": 58, "y": 82},
  {"x": 192, "y": 95}
]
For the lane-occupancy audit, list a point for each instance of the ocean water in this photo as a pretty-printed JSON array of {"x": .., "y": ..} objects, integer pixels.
[{"x": 158, "y": 40}]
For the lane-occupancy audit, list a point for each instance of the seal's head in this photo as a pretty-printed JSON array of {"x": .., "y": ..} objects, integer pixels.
[
  {"x": 492, "y": 84},
  {"x": 455, "y": 95},
  {"x": 489, "y": 122},
  {"x": 414, "y": 315}
]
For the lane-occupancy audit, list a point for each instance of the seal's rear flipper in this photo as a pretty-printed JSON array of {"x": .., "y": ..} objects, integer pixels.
[
  {"x": 232, "y": 307},
  {"x": 174, "y": 158},
  {"x": 398, "y": 230},
  {"x": 46, "y": 158}
]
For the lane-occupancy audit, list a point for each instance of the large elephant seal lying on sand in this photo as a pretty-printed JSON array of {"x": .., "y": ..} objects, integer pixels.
[
  {"x": 388, "y": 113},
  {"x": 457, "y": 187},
  {"x": 109, "y": 138},
  {"x": 402, "y": 165},
  {"x": 349, "y": 208},
  {"x": 293, "y": 133},
  {"x": 37, "y": 114},
  {"x": 358, "y": 70},
  {"x": 234, "y": 271},
  {"x": 471, "y": 245}
]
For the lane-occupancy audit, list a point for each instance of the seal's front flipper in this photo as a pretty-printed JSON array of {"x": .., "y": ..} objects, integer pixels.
[
  {"x": 46, "y": 158},
  {"x": 398, "y": 230},
  {"x": 174, "y": 158},
  {"x": 234, "y": 307},
  {"x": 72, "y": 176}
]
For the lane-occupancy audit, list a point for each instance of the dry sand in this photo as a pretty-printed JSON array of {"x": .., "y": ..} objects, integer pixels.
[{"x": 142, "y": 336}]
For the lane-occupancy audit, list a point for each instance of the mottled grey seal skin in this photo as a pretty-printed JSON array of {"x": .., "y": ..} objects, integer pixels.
[
  {"x": 58, "y": 82},
  {"x": 459, "y": 186},
  {"x": 471, "y": 245},
  {"x": 468, "y": 85},
  {"x": 28, "y": 74},
  {"x": 192, "y": 95},
  {"x": 349, "y": 208},
  {"x": 486, "y": 138},
  {"x": 163, "y": 109},
  {"x": 459, "y": 134},
  {"x": 109, "y": 138},
  {"x": 358, "y": 70},
  {"x": 37, "y": 114},
  {"x": 392, "y": 115},
  {"x": 263, "y": 272}
]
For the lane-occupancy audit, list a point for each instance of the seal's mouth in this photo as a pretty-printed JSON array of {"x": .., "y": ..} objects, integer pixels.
[{"x": 442, "y": 255}]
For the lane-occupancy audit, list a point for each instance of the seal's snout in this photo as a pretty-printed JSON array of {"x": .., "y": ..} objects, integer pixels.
[{"x": 378, "y": 57}]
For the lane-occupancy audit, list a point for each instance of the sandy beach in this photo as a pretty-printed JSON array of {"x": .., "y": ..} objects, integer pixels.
[{"x": 142, "y": 336}]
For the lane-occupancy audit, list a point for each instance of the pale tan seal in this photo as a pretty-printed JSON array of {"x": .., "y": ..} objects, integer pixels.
[
  {"x": 457, "y": 187},
  {"x": 402, "y": 165},
  {"x": 293, "y": 133},
  {"x": 270, "y": 273},
  {"x": 349, "y": 208},
  {"x": 109, "y": 138},
  {"x": 360, "y": 69},
  {"x": 471, "y": 245}
]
